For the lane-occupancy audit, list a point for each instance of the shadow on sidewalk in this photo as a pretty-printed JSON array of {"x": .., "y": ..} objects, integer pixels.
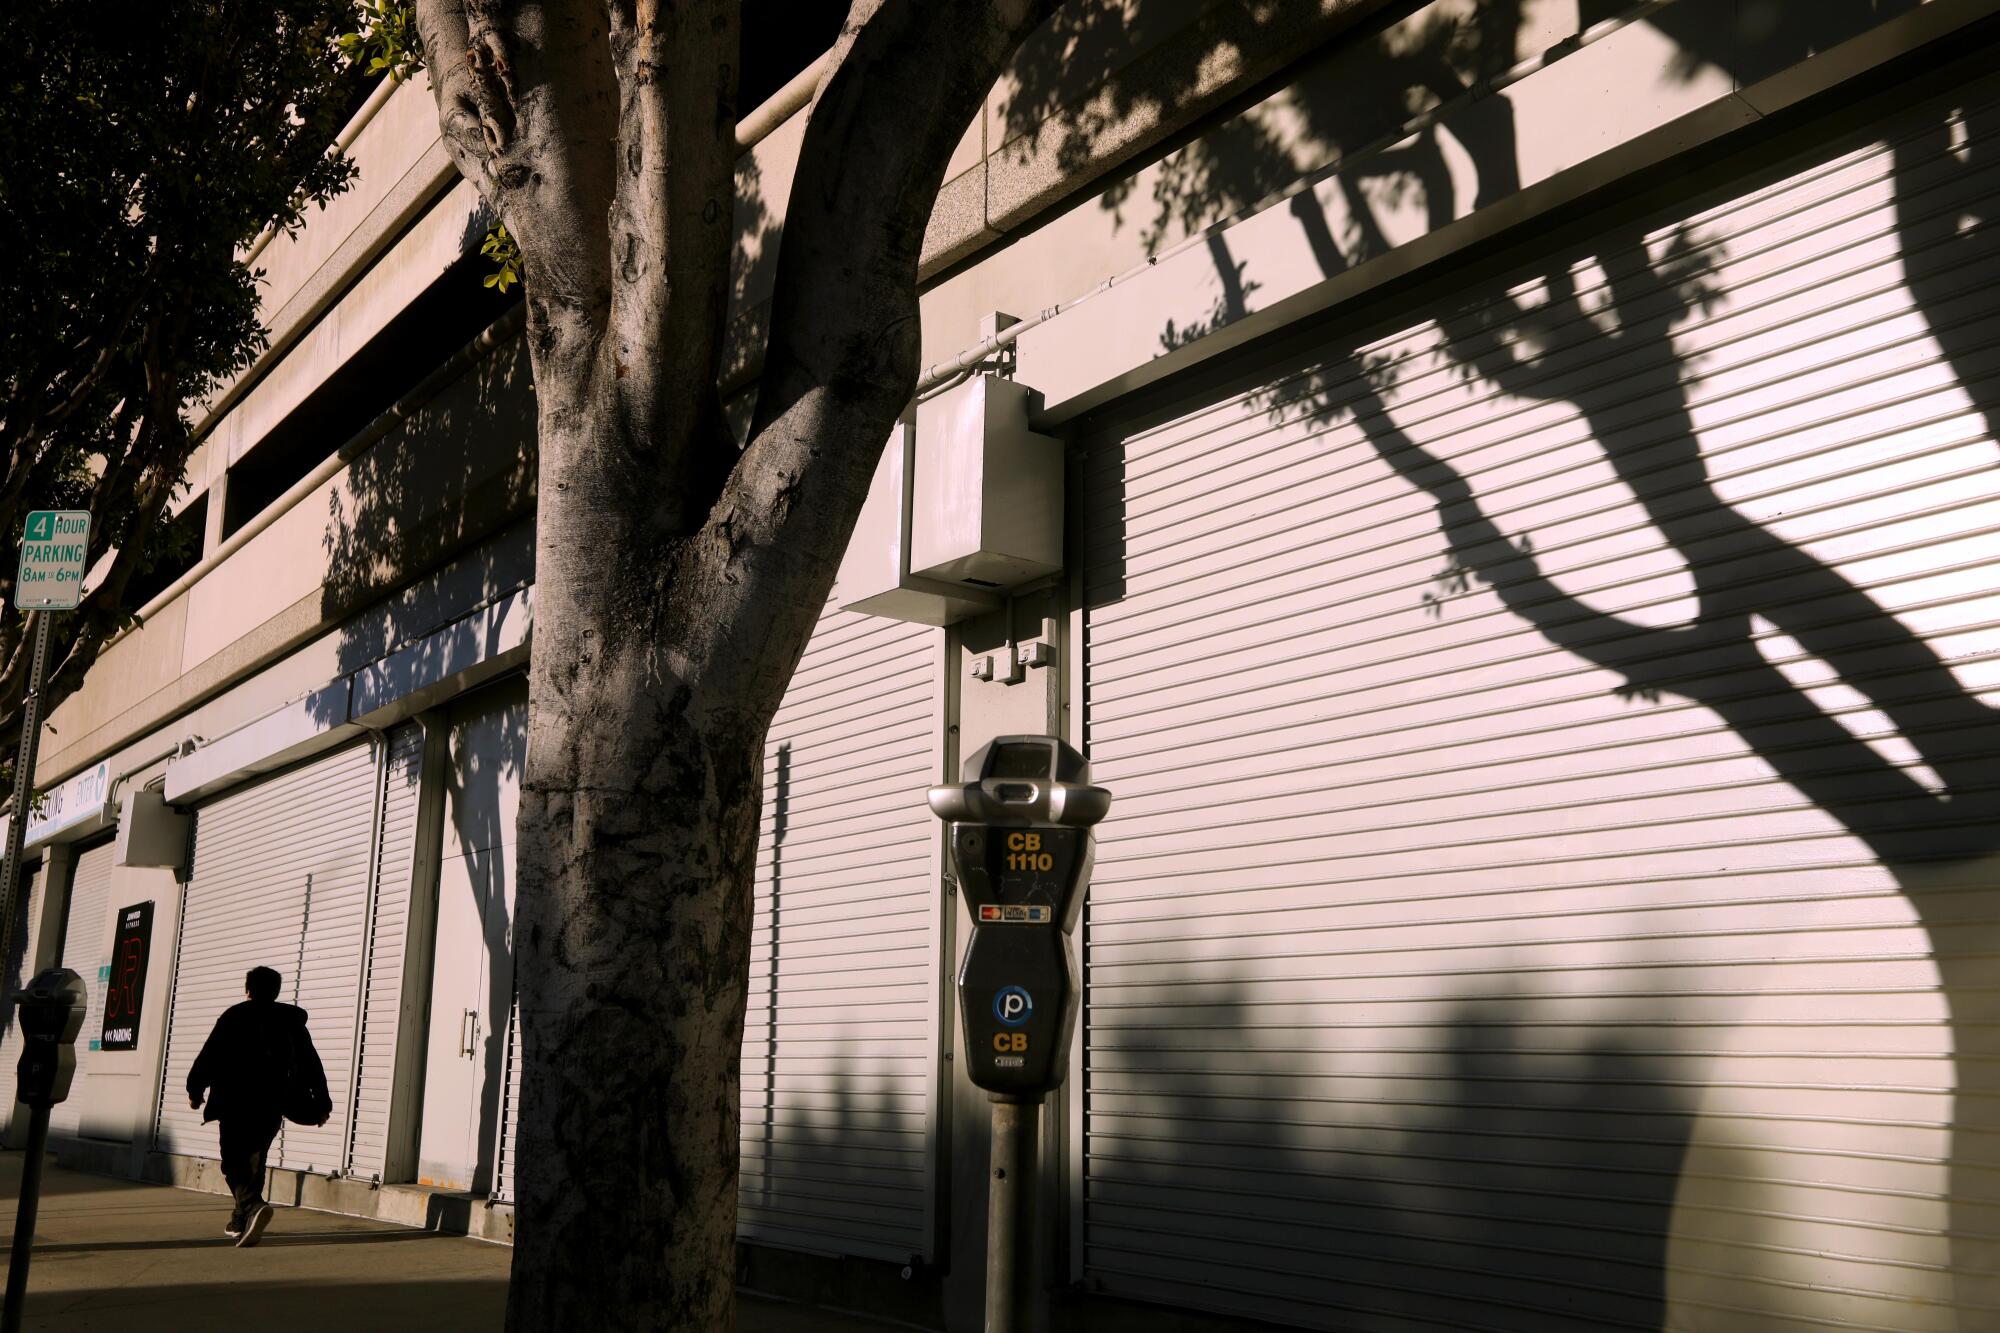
[
  {"x": 271, "y": 1239},
  {"x": 305, "y": 1307}
]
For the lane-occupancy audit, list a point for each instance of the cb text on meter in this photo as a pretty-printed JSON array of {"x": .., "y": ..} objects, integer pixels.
[{"x": 1022, "y": 847}]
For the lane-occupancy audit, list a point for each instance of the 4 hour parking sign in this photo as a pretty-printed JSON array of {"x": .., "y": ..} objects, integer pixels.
[{"x": 54, "y": 546}]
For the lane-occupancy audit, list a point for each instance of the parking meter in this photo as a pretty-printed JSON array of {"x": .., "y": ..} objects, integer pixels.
[
  {"x": 51, "y": 1014},
  {"x": 1021, "y": 842}
]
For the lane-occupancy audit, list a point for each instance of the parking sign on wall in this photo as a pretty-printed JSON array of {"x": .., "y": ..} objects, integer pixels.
[{"x": 125, "y": 982}]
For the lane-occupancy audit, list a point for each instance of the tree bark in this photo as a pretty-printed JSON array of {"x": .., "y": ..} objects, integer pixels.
[
  {"x": 638, "y": 836},
  {"x": 677, "y": 580}
]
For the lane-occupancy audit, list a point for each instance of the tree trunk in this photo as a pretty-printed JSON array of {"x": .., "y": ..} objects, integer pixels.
[
  {"x": 677, "y": 579},
  {"x": 638, "y": 839}
]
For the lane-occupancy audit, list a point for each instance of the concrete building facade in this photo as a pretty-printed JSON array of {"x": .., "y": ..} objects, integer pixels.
[{"x": 1527, "y": 575}]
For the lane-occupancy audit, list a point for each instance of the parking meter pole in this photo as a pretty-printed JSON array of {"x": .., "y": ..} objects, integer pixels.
[
  {"x": 24, "y": 1220},
  {"x": 24, "y": 782},
  {"x": 1010, "y": 1216}
]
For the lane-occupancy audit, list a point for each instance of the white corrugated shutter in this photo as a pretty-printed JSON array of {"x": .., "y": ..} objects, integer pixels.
[
  {"x": 387, "y": 947},
  {"x": 280, "y": 879},
  {"x": 837, "y": 1053},
  {"x": 327, "y": 980},
  {"x": 85, "y": 934},
  {"x": 1438, "y": 979},
  {"x": 27, "y": 916}
]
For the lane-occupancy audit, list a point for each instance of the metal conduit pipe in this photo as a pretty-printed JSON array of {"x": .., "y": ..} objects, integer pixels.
[
  {"x": 782, "y": 105},
  {"x": 187, "y": 743}
]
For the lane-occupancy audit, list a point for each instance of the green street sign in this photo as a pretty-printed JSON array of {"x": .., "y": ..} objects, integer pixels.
[{"x": 54, "y": 546}]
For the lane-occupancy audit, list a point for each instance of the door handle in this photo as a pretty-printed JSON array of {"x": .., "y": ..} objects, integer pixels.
[{"x": 468, "y": 1034}]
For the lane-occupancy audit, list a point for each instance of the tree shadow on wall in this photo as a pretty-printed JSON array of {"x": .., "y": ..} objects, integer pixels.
[
  {"x": 443, "y": 492},
  {"x": 1945, "y": 213},
  {"x": 434, "y": 518},
  {"x": 1469, "y": 1156},
  {"x": 1775, "y": 632},
  {"x": 833, "y": 1162}
]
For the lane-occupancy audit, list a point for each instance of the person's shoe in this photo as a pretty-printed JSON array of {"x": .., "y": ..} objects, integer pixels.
[
  {"x": 253, "y": 1226},
  {"x": 234, "y": 1228}
]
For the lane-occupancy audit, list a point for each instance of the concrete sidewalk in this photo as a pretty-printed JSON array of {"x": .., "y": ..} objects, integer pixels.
[{"x": 116, "y": 1254}]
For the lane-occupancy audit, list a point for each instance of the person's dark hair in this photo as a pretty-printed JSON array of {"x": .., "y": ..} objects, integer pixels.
[{"x": 262, "y": 983}]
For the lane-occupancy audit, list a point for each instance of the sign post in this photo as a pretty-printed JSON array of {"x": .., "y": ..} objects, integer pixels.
[{"x": 55, "y": 547}]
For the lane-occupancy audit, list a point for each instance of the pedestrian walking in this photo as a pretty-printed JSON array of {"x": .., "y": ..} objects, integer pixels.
[{"x": 257, "y": 1069}]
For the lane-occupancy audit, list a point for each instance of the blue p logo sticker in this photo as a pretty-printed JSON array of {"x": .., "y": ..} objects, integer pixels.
[{"x": 1013, "y": 1006}]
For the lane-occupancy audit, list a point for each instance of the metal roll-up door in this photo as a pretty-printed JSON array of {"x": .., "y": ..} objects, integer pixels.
[
  {"x": 328, "y": 979},
  {"x": 279, "y": 879},
  {"x": 387, "y": 949},
  {"x": 1459, "y": 956},
  {"x": 85, "y": 933},
  {"x": 27, "y": 919},
  {"x": 838, "y": 1048}
]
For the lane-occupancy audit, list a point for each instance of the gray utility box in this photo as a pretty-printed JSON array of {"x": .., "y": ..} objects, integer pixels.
[
  {"x": 966, "y": 504},
  {"x": 150, "y": 832}
]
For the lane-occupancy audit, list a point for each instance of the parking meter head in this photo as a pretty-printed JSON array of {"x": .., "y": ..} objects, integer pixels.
[
  {"x": 51, "y": 1014},
  {"x": 1022, "y": 845},
  {"x": 52, "y": 1006},
  {"x": 1037, "y": 758},
  {"x": 1022, "y": 781}
]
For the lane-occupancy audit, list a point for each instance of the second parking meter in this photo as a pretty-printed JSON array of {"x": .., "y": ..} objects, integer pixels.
[
  {"x": 51, "y": 1014},
  {"x": 1021, "y": 842}
]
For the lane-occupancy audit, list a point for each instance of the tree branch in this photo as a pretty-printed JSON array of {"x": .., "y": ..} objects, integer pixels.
[
  {"x": 72, "y": 384},
  {"x": 671, "y": 239},
  {"x": 527, "y": 104},
  {"x": 446, "y": 34},
  {"x": 903, "y": 83}
]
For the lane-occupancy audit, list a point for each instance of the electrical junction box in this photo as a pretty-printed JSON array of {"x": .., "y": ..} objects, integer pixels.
[
  {"x": 150, "y": 832},
  {"x": 986, "y": 508},
  {"x": 965, "y": 505}
]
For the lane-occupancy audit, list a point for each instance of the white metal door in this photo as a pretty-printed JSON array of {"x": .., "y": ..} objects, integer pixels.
[
  {"x": 86, "y": 932},
  {"x": 473, "y": 978},
  {"x": 1440, "y": 974},
  {"x": 838, "y": 1049}
]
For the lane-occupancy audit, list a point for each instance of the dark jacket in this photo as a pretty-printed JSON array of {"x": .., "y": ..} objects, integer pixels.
[{"x": 245, "y": 1065}]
